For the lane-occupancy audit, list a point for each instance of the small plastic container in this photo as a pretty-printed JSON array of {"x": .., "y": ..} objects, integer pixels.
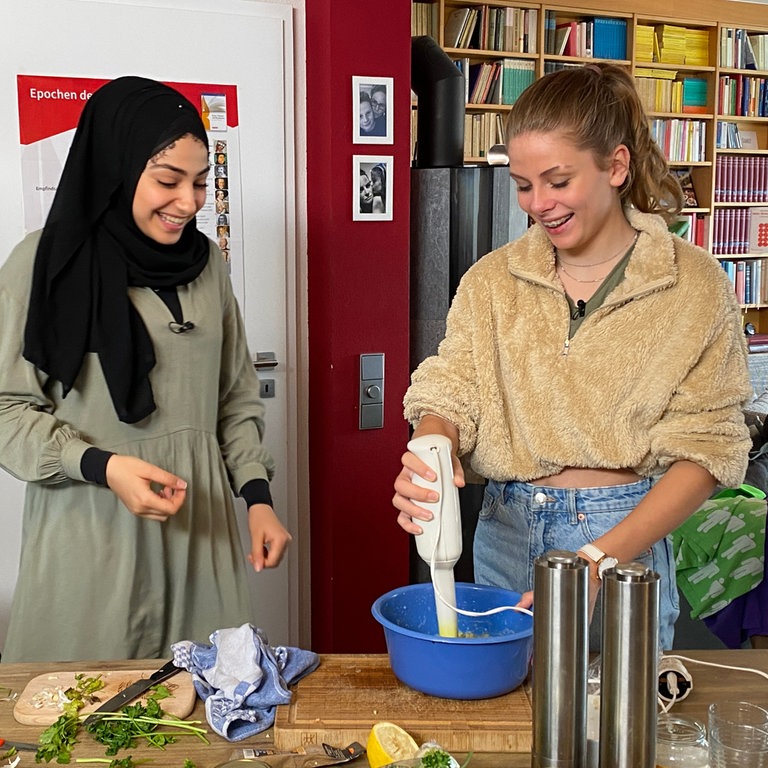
[{"x": 681, "y": 742}]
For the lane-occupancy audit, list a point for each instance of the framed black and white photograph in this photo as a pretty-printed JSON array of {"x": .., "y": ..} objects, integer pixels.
[
  {"x": 372, "y": 110},
  {"x": 372, "y": 188}
]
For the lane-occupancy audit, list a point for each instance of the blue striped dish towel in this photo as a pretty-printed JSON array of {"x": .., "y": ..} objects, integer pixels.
[{"x": 241, "y": 678}]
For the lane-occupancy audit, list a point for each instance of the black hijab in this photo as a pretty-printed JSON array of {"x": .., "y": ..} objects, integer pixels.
[{"x": 91, "y": 250}]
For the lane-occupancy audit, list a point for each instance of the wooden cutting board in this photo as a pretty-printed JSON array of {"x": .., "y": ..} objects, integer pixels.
[
  {"x": 29, "y": 711},
  {"x": 340, "y": 701}
]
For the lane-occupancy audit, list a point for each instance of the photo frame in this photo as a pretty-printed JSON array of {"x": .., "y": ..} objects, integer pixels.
[
  {"x": 372, "y": 108},
  {"x": 372, "y": 177}
]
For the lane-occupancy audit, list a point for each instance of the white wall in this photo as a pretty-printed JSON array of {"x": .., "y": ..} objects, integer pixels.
[{"x": 257, "y": 45}]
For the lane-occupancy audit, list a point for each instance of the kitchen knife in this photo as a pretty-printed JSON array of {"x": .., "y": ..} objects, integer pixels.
[
  {"x": 133, "y": 690},
  {"x": 7, "y": 744}
]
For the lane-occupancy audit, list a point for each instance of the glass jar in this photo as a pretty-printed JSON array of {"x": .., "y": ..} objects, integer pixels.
[{"x": 681, "y": 741}]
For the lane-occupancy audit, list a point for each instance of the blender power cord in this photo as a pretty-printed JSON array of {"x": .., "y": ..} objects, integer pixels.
[
  {"x": 675, "y": 682},
  {"x": 463, "y": 611},
  {"x": 439, "y": 594}
]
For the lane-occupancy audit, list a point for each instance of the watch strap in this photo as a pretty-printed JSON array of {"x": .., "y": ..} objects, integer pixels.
[
  {"x": 599, "y": 558},
  {"x": 592, "y": 552},
  {"x": 606, "y": 563}
]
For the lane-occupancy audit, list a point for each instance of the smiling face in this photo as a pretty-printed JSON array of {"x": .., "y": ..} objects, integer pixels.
[
  {"x": 366, "y": 189},
  {"x": 367, "y": 119},
  {"x": 171, "y": 190},
  {"x": 565, "y": 190},
  {"x": 379, "y": 103}
]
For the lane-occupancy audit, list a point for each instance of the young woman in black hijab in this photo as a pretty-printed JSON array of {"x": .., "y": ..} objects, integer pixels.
[{"x": 126, "y": 382}]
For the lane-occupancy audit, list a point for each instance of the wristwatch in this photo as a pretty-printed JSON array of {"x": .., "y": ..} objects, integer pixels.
[{"x": 599, "y": 558}]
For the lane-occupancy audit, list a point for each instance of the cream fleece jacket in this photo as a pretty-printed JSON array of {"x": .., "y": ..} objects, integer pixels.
[{"x": 657, "y": 374}]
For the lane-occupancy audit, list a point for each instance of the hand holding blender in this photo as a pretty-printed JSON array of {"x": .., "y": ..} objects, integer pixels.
[
  {"x": 439, "y": 541},
  {"x": 439, "y": 544}
]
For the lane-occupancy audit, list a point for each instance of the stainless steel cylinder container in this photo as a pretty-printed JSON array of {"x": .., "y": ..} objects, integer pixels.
[
  {"x": 629, "y": 667},
  {"x": 560, "y": 650}
]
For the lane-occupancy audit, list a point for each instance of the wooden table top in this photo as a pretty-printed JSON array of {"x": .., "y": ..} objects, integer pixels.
[{"x": 709, "y": 684}]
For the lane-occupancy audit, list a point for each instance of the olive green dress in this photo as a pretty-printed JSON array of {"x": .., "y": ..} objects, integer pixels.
[{"x": 95, "y": 581}]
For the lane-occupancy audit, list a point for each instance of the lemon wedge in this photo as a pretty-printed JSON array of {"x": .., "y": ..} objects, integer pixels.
[{"x": 387, "y": 743}]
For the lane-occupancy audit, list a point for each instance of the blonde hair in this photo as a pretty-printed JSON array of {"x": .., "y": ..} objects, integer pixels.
[{"x": 598, "y": 107}]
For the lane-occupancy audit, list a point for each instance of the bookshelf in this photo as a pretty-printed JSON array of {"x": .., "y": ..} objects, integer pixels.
[
  {"x": 703, "y": 77},
  {"x": 740, "y": 196},
  {"x": 674, "y": 66}
]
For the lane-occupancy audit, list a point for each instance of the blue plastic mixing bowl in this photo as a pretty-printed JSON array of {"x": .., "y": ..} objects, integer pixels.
[{"x": 491, "y": 659}]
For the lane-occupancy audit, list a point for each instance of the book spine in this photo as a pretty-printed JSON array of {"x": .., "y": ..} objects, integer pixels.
[
  {"x": 740, "y": 282},
  {"x": 699, "y": 230},
  {"x": 549, "y": 32}
]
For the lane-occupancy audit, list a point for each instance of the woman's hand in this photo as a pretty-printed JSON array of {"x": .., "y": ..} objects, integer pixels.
[
  {"x": 269, "y": 539},
  {"x": 526, "y": 600},
  {"x": 408, "y": 494},
  {"x": 135, "y": 483},
  {"x": 593, "y": 587}
]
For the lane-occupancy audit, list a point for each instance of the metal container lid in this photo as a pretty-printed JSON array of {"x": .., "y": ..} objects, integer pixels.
[
  {"x": 559, "y": 558},
  {"x": 633, "y": 572}
]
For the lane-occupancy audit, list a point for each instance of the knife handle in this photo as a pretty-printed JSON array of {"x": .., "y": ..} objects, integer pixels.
[{"x": 164, "y": 672}]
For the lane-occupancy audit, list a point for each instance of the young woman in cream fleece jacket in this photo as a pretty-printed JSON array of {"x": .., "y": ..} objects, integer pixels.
[{"x": 594, "y": 370}]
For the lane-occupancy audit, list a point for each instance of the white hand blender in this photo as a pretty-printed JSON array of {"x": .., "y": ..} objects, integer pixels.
[{"x": 440, "y": 543}]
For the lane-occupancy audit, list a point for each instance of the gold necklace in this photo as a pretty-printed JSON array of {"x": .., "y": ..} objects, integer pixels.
[
  {"x": 573, "y": 277},
  {"x": 560, "y": 264}
]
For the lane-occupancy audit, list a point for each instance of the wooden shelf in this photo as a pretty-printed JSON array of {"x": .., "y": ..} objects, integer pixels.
[
  {"x": 709, "y": 16},
  {"x": 477, "y": 53}
]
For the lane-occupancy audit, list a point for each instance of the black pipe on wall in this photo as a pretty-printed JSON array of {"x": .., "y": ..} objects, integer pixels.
[{"x": 439, "y": 86}]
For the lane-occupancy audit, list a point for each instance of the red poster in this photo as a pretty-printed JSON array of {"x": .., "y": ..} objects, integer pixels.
[{"x": 49, "y": 109}]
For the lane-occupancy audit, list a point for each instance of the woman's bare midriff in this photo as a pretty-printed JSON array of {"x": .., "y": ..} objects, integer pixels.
[{"x": 578, "y": 477}]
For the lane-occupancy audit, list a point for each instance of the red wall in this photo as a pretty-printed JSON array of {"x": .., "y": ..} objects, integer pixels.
[{"x": 358, "y": 303}]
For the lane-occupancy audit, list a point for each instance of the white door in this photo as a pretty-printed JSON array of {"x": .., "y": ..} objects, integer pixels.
[{"x": 244, "y": 43}]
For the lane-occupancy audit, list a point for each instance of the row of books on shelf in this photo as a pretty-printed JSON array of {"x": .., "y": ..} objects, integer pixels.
[
  {"x": 694, "y": 228},
  {"x": 757, "y": 342},
  {"x": 741, "y": 179},
  {"x": 683, "y": 140},
  {"x": 554, "y": 66},
  {"x": 481, "y": 132},
  {"x": 490, "y": 28},
  {"x": 743, "y": 95},
  {"x": 739, "y": 231},
  {"x": 597, "y": 38},
  {"x": 741, "y": 49},
  {"x": 496, "y": 82},
  {"x": 424, "y": 19},
  {"x": 671, "y": 44},
  {"x": 727, "y": 135},
  {"x": 661, "y": 91},
  {"x": 749, "y": 278}
]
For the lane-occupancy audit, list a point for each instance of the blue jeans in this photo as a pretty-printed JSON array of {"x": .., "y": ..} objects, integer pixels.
[{"x": 520, "y": 521}]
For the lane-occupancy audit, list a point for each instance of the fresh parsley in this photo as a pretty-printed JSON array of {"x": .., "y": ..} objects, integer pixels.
[
  {"x": 439, "y": 758},
  {"x": 123, "y": 729},
  {"x": 82, "y": 693},
  {"x": 436, "y": 758},
  {"x": 116, "y": 730},
  {"x": 58, "y": 739}
]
